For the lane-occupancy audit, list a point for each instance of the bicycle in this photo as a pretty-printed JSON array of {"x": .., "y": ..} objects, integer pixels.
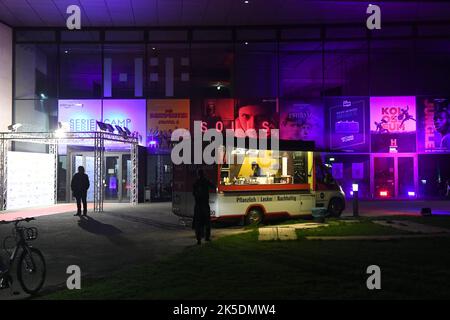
[{"x": 30, "y": 264}]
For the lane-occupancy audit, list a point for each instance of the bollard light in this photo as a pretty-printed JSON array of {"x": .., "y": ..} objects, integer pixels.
[{"x": 355, "y": 189}]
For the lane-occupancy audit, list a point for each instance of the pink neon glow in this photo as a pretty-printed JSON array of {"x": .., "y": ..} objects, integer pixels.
[{"x": 383, "y": 193}]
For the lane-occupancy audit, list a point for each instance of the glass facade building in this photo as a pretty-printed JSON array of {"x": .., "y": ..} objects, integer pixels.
[{"x": 347, "y": 78}]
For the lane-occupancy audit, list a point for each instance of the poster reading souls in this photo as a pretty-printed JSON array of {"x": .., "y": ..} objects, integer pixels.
[{"x": 393, "y": 124}]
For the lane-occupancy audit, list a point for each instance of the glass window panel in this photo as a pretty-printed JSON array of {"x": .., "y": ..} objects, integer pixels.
[
  {"x": 126, "y": 66},
  {"x": 300, "y": 33},
  {"x": 215, "y": 35},
  {"x": 35, "y": 71},
  {"x": 405, "y": 176},
  {"x": 392, "y": 70},
  {"x": 35, "y": 36},
  {"x": 392, "y": 31},
  {"x": 434, "y": 30},
  {"x": 256, "y": 34},
  {"x": 212, "y": 66},
  {"x": 168, "y": 68},
  {"x": 434, "y": 176},
  {"x": 345, "y": 32},
  {"x": 167, "y": 35},
  {"x": 346, "y": 68},
  {"x": 36, "y": 115},
  {"x": 84, "y": 36},
  {"x": 355, "y": 169},
  {"x": 126, "y": 36},
  {"x": 384, "y": 179},
  {"x": 81, "y": 71},
  {"x": 432, "y": 65},
  {"x": 300, "y": 69},
  {"x": 256, "y": 70}
]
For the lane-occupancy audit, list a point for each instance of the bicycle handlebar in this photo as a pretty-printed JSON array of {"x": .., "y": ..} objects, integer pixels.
[{"x": 17, "y": 220}]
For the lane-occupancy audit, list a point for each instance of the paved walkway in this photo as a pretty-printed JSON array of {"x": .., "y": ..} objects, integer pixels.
[
  {"x": 378, "y": 238},
  {"x": 411, "y": 226},
  {"x": 285, "y": 232},
  {"x": 105, "y": 242},
  {"x": 374, "y": 208}
]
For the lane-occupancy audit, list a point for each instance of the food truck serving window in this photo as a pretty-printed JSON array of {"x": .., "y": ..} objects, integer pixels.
[{"x": 264, "y": 167}]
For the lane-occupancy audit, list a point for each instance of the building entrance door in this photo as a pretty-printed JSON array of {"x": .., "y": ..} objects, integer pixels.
[
  {"x": 394, "y": 176},
  {"x": 117, "y": 179}
]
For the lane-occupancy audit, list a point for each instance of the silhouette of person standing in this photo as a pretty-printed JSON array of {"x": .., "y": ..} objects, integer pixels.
[
  {"x": 202, "y": 220},
  {"x": 80, "y": 186}
]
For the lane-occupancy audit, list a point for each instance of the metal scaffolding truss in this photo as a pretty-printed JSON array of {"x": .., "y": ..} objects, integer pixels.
[{"x": 96, "y": 139}]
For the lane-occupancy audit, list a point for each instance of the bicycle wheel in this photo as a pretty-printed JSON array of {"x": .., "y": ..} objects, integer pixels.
[{"x": 31, "y": 270}]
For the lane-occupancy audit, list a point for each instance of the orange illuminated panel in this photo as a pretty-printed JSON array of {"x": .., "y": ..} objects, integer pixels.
[{"x": 264, "y": 187}]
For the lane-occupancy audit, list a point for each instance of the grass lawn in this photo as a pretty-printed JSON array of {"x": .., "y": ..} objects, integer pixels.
[
  {"x": 240, "y": 267},
  {"x": 363, "y": 227}
]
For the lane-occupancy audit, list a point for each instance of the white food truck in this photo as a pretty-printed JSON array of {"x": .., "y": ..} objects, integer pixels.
[{"x": 265, "y": 185}]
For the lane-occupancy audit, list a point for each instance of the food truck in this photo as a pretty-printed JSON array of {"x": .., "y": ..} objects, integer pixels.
[{"x": 265, "y": 185}]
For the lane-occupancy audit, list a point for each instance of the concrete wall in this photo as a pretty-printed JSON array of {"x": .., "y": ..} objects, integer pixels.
[{"x": 6, "y": 58}]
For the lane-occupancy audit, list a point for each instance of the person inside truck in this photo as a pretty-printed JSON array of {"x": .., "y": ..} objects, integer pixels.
[{"x": 256, "y": 170}]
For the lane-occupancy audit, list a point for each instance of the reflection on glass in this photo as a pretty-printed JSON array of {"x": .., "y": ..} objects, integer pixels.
[
  {"x": 126, "y": 176},
  {"x": 406, "y": 177},
  {"x": 112, "y": 178},
  {"x": 384, "y": 177}
]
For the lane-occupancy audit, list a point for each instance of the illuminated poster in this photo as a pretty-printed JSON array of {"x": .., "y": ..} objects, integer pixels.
[
  {"x": 251, "y": 115},
  {"x": 302, "y": 121},
  {"x": 393, "y": 124},
  {"x": 163, "y": 117},
  {"x": 218, "y": 114},
  {"x": 348, "y": 121},
  {"x": 31, "y": 180},
  {"x": 81, "y": 115},
  {"x": 433, "y": 117},
  {"x": 127, "y": 113}
]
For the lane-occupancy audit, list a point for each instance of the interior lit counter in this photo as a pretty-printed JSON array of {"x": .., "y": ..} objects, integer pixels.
[
  {"x": 262, "y": 170},
  {"x": 262, "y": 187}
]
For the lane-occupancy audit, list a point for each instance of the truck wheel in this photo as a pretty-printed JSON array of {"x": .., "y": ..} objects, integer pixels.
[
  {"x": 254, "y": 217},
  {"x": 335, "y": 207}
]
